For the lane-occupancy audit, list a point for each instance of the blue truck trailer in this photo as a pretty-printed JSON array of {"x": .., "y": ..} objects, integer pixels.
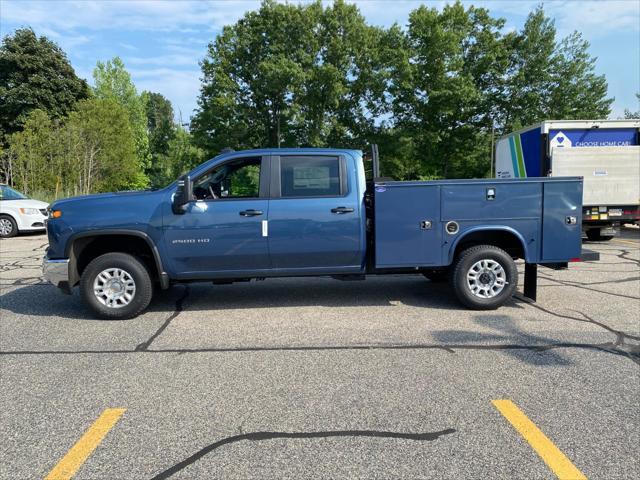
[
  {"x": 606, "y": 153},
  {"x": 300, "y": 212}
]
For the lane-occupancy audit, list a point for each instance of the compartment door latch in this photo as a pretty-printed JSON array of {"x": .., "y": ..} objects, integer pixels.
[
  {"x": 425, "y": 224},
  {"x": 571, "y": 220}
]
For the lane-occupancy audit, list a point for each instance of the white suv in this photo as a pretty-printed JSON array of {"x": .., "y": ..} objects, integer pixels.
[{"x": 19, "y": 213}]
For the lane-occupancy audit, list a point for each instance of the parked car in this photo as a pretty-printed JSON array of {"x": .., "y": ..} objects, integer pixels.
[
  {"x": 19, "y": 213},
  {"x": 300, "y": 212}
]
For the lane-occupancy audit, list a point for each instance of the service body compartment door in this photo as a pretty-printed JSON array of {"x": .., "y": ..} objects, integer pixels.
[
  {"x": 407, "y": 225},
  {"x": 562, "y": 221},
  {"x": 476, "y": 201}
]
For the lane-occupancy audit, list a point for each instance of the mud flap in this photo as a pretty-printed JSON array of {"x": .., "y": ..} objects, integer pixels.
[{"x": 531, "y": 280}]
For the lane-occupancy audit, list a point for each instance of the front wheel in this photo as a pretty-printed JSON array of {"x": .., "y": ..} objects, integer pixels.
[
  {"x": 8, "y": 227},
  {"x": 116, "y": 286},
  {"x": 484, "y": 277}
]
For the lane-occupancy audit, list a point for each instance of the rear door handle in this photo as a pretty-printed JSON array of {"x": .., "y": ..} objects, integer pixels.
[
  {"x": 250, "y": 213},
  {"x": 341, "y": 210}
]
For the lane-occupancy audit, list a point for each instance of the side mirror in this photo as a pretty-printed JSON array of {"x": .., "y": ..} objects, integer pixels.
[{"x": 183, "y": 195}]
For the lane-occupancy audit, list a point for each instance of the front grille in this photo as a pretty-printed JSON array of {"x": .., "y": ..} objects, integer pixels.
[{"x": 44, "y": 212}]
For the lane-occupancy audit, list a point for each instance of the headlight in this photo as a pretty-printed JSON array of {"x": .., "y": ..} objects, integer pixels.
[{"x": 29, "y": 211}]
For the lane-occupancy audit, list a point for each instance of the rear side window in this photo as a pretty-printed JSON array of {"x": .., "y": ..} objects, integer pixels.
[{"x": 310, "y": 177}]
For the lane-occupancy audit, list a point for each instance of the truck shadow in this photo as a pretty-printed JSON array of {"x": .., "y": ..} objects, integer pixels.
[
  {"x": 508, "y": 336},
  {"x": 45, "y": 300}
]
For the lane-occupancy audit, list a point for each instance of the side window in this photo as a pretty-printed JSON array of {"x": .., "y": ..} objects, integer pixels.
[
  {"x": 309, "y": 177},
  {"x": 237, "y": 179}
]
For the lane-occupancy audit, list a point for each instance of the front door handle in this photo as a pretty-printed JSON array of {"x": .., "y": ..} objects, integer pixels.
[
  {"x": 341, "y": 210},
  {"x": 250, "y": 213}
]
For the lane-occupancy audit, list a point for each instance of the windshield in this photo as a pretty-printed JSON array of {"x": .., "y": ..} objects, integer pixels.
[{"x": 8, "y": 193}]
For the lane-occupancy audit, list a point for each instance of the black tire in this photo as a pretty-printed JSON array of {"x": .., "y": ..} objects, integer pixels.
[
  {"x": 466, "y": 260},
  {"x": 594, "y": 234},
  {"x": 134, "y": 268},
  {"x": 437, "y": 276},
  {"x": 9, "y": 221}
]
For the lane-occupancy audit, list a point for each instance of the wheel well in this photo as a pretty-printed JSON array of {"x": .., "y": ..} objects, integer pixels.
[
  {"x": 85, "y": 249},
  {"x": 503, "y": 239}
]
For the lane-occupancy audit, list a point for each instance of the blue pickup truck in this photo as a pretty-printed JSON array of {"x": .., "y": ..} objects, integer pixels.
[{"x": 299, "y": 212}]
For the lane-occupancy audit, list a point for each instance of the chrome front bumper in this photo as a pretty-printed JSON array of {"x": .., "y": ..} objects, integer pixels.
[{"x": 56, "y": 272}]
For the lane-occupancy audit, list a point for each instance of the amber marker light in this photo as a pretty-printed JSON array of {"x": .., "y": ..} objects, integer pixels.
[{"x": 56, "y": 213}]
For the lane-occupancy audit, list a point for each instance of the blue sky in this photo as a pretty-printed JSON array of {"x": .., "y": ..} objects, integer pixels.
[{"x": 161, "y": 42}]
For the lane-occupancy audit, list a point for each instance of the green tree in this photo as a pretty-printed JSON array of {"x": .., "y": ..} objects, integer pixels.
[
  {"x": 629, "y": 114},
  {"x": 551, "y": 79},
  {"x": 446, "y": 80},
  {"x": 113, "y": 82},
  {"x": 291, "y": 75},
  {"x": 162, "y": 130},
  {"x": 104, "y": 147},
  {"x": 35, "y": 154},
  {"x": 92, "y": 151},
  {"x": 182, "y": 156},
  {"x": 35, "y": 74}
]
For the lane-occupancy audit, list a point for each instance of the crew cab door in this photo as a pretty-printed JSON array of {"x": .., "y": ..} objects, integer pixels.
[
  {"x": 221, "y": 233},
  {"x": 314, "y": 215}
]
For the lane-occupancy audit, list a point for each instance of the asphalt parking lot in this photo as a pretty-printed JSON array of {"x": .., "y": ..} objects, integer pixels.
[{"x": 316, "y": 378}]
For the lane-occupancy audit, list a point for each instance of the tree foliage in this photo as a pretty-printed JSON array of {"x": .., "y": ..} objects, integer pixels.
[
  {"x": 35, "y": 74},
  {"x": 161, "y": 130},
  {"x": 444, "y": 89},
  {"x": 90, "y": 150},
  {"x": 550, "y": 79},
  {"x": 113, "y": 82},
  {"x": 291, "y": 75},
  {"x": 182, "y": 155},
  {"x": 431, "y": 94},
  {"x": 629, "y": 114}
]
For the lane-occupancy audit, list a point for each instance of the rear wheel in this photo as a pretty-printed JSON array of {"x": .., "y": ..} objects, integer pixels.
[
  {"x": 595, "y": 235},
  {"x": 116, "y": 286},
  {"x": 484, "y": 277},
  {"x": 8, "y": 227}
]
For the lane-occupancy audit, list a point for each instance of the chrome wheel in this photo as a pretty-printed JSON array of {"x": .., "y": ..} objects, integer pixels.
[
  {"x": 486, "y": 278},
  {"x": 6, "y": 227},
  {"x": 114, "y": 287}
]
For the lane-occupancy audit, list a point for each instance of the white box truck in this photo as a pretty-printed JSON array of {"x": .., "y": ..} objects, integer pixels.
[{"x": 606, "y": 153}]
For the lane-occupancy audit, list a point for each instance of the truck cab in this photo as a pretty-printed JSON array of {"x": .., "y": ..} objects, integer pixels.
[{"x": 299, "y": 212}]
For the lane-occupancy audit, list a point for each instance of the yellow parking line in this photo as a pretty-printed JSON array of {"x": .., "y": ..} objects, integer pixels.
[
  {"x": 552, "y": 456},
  {"x": 73, "y": 460},
  {"x": 630, "y": 242}
]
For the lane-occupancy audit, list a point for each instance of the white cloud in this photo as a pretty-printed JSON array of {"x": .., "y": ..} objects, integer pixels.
[
  {"x": 128, "y": 46},
  {"x": 592, "y": 17},
  {"x": 170, "y": 60},
  {"x": 144, "y": 15},
  {"x": 180, "y": 86}
]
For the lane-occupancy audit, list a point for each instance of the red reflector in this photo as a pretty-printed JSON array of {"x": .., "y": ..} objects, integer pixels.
[{"x": 576, "y": 259}]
